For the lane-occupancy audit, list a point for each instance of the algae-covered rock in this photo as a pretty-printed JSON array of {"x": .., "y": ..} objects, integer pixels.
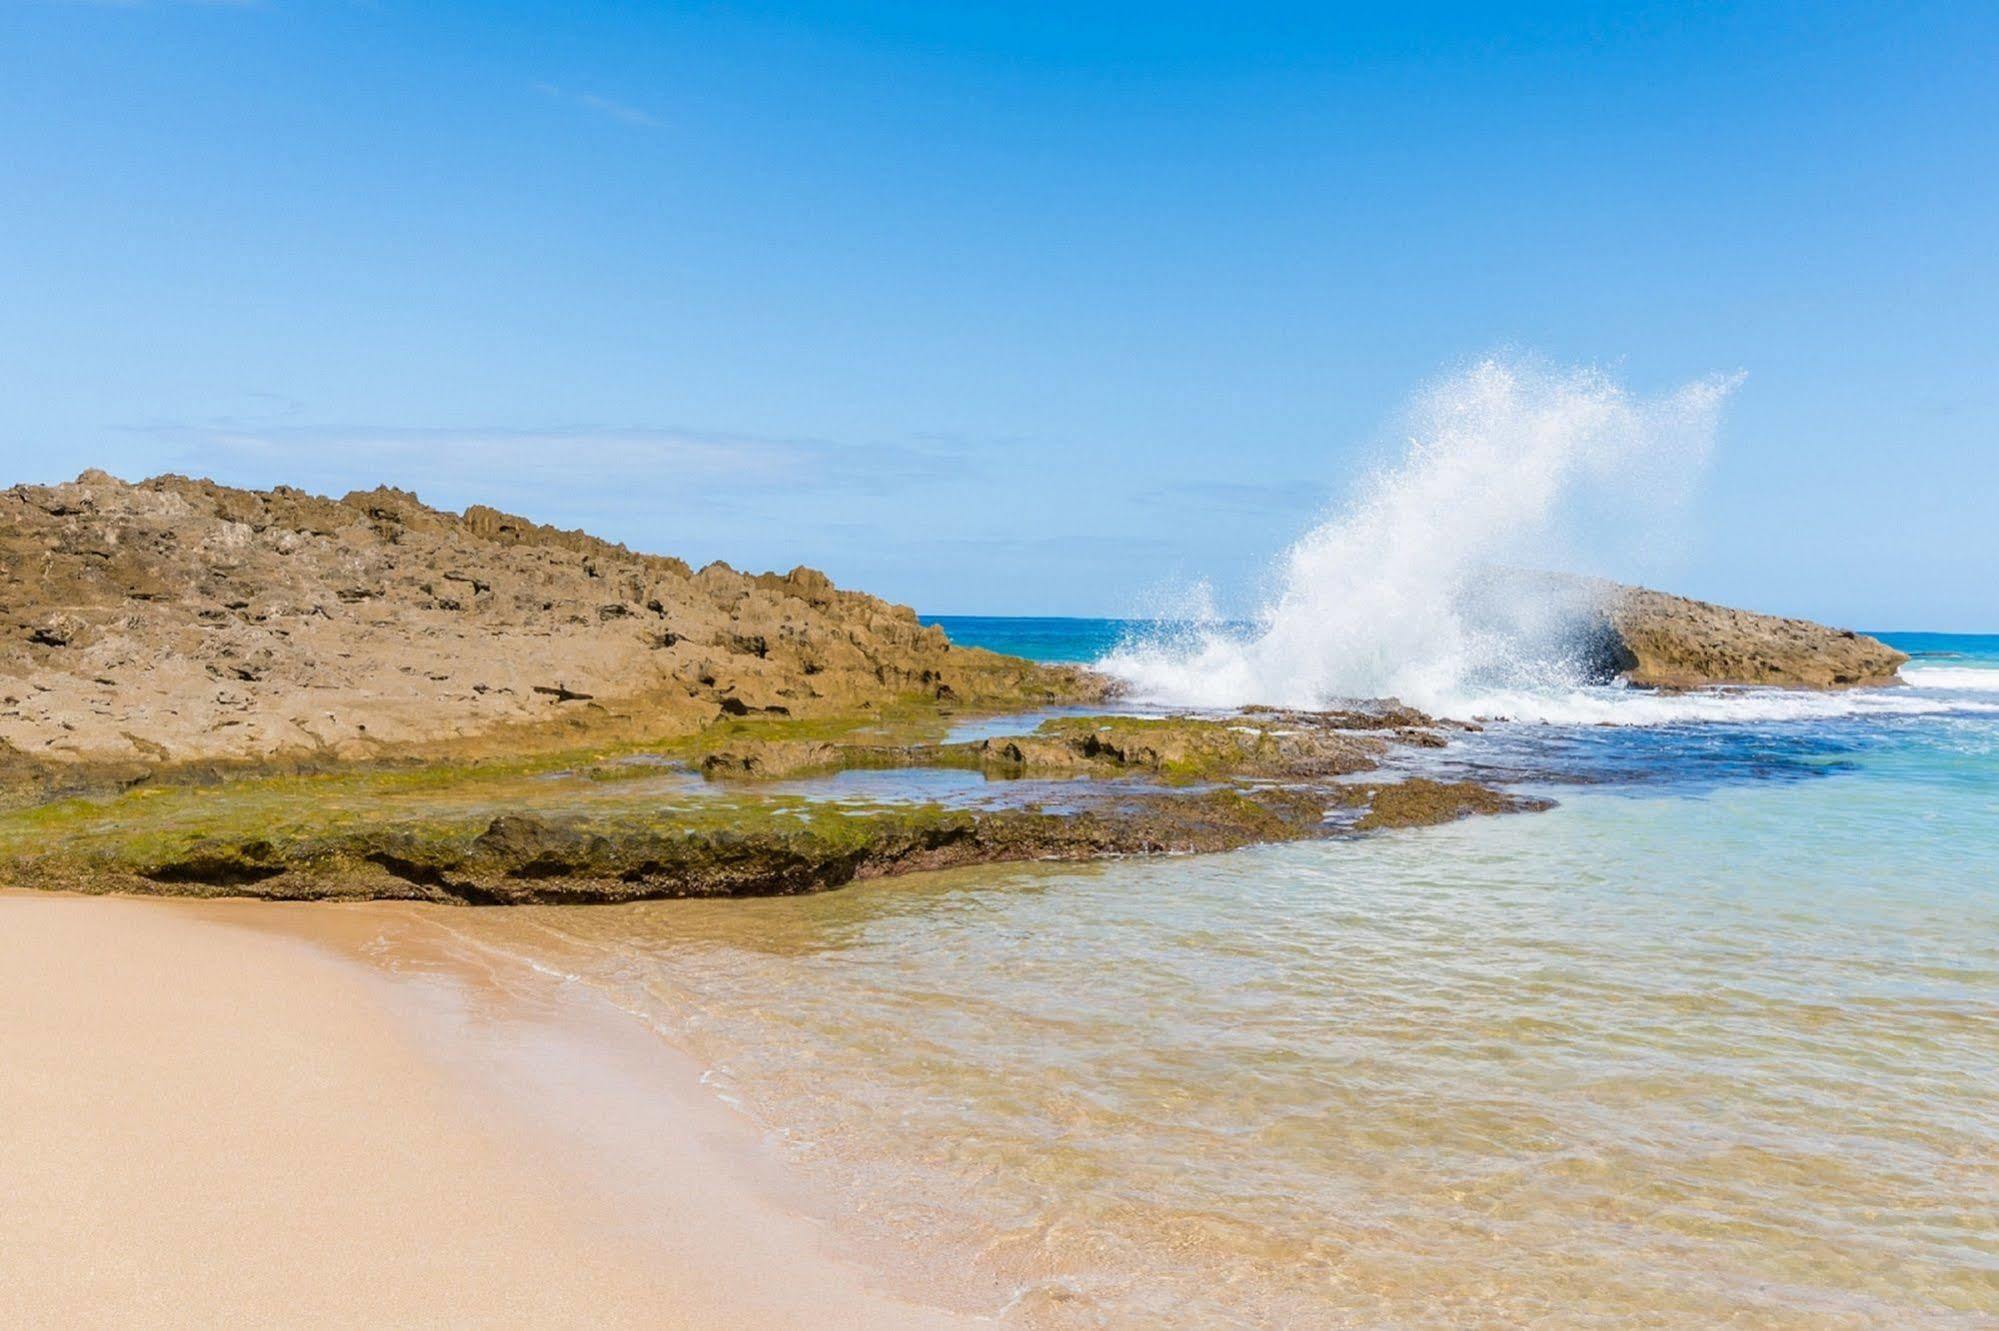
[
  {"x": 565, "y": 831},
  {"x": 1194, "y": 747}
]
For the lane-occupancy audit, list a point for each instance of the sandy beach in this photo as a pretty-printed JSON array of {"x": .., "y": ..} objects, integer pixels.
[{"x": 206, "y": 1120}]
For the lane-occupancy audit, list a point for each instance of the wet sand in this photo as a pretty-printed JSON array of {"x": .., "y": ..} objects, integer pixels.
[{"x": 219, "y": 1114}]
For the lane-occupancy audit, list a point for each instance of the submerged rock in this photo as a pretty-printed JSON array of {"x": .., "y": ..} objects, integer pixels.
[{"x": 1422, "y": 802}]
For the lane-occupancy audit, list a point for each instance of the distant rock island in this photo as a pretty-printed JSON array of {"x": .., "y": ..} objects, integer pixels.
[
  {"x": 1662, "y": 641},
  {"x": 206, "y": 690}
]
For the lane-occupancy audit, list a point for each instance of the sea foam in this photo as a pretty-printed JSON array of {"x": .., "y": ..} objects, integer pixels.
[
  {"x": 1395, "y": 595},
  {"x": 1961, "y": 679}
]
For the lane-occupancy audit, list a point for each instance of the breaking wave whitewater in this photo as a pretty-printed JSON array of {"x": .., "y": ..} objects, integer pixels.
[
  {"x": 1960, "y": 679},
  {"x": 1407, "y": 592},
  {"x": 1924, "y": 691},
  {"x": 1612, "y": 704}
]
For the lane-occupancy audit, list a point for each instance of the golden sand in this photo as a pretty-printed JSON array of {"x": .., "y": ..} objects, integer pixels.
[{"x": 207, "y": 1124}]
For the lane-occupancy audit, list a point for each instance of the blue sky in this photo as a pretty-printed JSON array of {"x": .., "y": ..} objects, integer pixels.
[{"x": 1009, "y": 308}]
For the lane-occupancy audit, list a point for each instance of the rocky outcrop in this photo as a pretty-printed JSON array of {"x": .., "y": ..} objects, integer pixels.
[
  {"x": 1663, "y": 641},
  {"x": 1605, "y": 630},
  {"x": 177, "y": 622}
]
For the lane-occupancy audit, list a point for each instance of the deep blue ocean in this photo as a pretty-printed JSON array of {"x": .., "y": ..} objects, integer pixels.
[
  {"x": 1067, "y": 639},
  {"x": 1039, "y": 638}
]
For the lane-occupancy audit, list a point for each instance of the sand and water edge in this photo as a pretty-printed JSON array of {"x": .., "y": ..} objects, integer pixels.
[{"x": 253, "y": 1113}]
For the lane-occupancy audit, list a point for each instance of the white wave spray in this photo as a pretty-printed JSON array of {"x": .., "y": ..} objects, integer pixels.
[{"x": 1395, "y": 596}]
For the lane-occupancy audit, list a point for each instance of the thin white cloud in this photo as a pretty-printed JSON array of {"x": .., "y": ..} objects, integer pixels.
[
  {"x": 630, "y": 115},
  {"x": 597, "y": 464}
]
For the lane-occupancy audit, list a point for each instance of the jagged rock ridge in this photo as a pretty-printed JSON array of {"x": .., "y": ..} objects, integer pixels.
[{"x": 179, "y": 620}]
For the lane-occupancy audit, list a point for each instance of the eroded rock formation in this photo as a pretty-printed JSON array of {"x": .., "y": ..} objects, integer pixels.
[
  {"x": 1656, "y": 640},
  {"x": 178, "y": 620},
  {"x": 1664, "y": 641}
]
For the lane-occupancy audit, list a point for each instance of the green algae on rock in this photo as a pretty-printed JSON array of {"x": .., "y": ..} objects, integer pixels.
[{"x": 677, "y": 822}]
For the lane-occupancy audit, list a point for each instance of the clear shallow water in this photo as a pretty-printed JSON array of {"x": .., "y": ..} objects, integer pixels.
[{"x": 1716, "y": 1042}]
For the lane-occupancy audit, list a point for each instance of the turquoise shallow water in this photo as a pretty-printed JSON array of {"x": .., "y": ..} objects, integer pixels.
[{"x": 1713, "y": 1043}]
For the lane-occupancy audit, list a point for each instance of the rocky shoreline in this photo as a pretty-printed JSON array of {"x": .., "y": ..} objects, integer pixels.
[
  {"x": 746, "y": 811},
  {"x": 207, "y": 691}
]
